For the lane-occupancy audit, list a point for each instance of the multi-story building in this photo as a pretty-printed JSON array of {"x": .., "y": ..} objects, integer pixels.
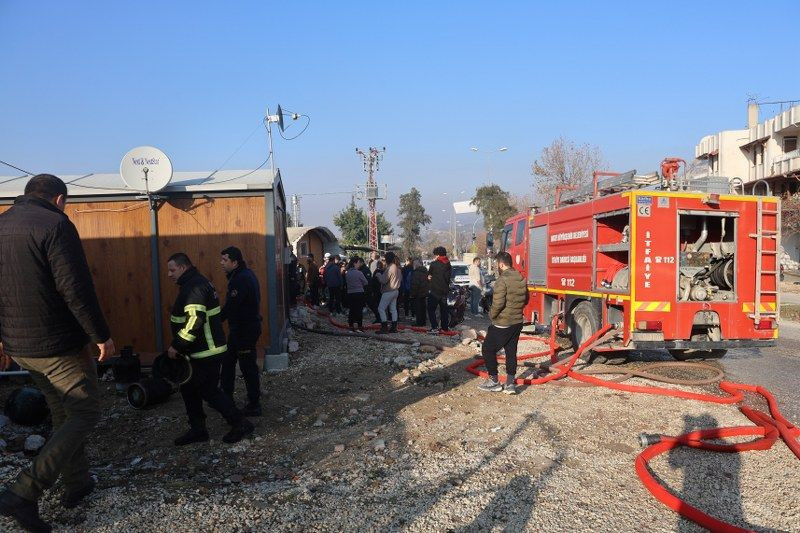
[{"x": 765, "y": 155}]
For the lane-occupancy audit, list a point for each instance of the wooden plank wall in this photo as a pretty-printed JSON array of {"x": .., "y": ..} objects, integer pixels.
[
  {"x": 202, "y": 228},
  {"x": 116, "y": 238}
]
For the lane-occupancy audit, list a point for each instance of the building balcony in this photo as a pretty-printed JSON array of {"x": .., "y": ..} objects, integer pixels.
[
  {"x": 786, "y": 163},
  {"x": 708, "y": 146},
  {"x": 787, "y": 122}
]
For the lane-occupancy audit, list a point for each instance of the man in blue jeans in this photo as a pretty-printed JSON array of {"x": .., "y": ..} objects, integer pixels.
[{"x": 475, "y": 285}]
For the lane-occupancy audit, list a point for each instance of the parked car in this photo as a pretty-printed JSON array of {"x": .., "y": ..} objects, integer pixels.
[{"x": 460, "y": 273}]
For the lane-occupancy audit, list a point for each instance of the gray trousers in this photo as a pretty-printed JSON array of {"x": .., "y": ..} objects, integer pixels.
[{"x": 69, "y": 383}]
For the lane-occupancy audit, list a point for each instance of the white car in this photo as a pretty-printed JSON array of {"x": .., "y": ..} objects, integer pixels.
[{"x": 460, "y": 273}]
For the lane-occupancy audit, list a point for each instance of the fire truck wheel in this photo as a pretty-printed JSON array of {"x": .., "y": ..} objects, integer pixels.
[
  {"x": 583, "y": 323},
  {"x": 685, "y": 355}
]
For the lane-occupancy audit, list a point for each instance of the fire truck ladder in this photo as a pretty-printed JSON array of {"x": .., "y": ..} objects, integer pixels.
[
  {"x": 613, "y": 184},
  {"x": 768, "y": 243}
]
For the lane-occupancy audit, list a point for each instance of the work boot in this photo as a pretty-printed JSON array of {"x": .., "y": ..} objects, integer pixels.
[
  {"x": 491, "y": 385},
  {"x": 393, "y": 329},
  {"x": 192, "y": 436},
  {"x": 251, "y": 409},
  {"x": 25, "y": 512},
  {"x": 384, "y": 329},
  {"x": 70, "y": 500},
  {"x": 238, "y": 431}
]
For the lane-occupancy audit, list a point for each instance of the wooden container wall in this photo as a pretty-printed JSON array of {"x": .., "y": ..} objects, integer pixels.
[
  {"x": 116, "y": 239},
  {"x": 202, "y": 228}
]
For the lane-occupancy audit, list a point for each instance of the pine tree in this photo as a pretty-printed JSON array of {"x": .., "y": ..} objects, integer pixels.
[{"x": 412, "y": 219}]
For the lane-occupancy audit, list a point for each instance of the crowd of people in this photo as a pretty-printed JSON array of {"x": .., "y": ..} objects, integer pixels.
[{"x": 383, "y": 284}]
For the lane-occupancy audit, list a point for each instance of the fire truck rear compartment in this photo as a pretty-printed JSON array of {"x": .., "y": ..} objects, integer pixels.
[{"x": 707, "y": 245}]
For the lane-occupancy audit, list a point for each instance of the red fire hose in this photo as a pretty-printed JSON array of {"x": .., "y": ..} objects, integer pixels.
[{"x": 768, "y": 427}]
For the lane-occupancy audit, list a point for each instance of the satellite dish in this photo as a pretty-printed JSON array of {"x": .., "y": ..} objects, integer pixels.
[
  {"x": 146, "y": 169},
  {"x": 280, "y": 117}
]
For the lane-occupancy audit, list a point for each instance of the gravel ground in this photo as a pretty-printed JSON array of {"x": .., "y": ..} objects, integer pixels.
[{"x": 369, "y": 436}]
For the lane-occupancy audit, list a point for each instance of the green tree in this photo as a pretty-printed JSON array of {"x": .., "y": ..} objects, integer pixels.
[
  {"x": 495, "y": 205},
  {"x": 353, "y": 222},
  {"x": 412, "y": 219}
]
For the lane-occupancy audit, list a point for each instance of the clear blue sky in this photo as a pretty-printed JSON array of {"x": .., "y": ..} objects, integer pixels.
[{"x": 83, "y": 82}]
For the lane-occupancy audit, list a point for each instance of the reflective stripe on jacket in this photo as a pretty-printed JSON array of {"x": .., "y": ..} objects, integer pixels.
[{"x": 196, "y": 318}]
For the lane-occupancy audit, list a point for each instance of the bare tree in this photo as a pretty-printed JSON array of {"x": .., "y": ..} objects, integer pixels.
[
  {"x": 565, "y": 163},
  {"x": 791, "y": 215},
  {"x": 523, "y": 202}
]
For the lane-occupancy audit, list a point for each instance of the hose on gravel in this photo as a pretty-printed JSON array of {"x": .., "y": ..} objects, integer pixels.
[
  {"x": 767, "y": 429},
  {"x": 768, "y": 426}
]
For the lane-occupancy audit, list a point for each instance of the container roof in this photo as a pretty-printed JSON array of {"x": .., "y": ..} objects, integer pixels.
[
  {"x": 112, "y": 184},
  {"x": 296, "y": 233}
]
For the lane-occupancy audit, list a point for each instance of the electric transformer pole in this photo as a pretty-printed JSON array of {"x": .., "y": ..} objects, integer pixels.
[{"x": 371, "y": 159}]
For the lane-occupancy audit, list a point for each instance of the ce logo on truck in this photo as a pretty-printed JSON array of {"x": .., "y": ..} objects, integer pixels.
[{"x": 643, "y": 205}]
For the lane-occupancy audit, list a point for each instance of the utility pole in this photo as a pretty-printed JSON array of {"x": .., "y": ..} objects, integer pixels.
[{"x": 371, "y": 159}]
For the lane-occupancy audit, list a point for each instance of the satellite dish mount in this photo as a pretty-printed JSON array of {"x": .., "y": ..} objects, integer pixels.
[{"x": 148, "y": 170}]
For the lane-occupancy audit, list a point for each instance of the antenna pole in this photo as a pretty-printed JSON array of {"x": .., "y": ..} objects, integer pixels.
[
  {"x": 271, "y": 152},
  {"x": 155, "y": 278}
]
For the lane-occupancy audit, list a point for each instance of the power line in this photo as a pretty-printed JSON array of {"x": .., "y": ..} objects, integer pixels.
[
  {"x": 258, "y": 127},
  {"x": 16, "y": 168}
]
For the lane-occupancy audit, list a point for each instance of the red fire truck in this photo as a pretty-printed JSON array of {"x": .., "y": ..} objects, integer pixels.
[{"x": 687, "y": 266}]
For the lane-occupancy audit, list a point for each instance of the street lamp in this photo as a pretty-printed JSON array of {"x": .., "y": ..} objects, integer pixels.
[{"x": 489, "y": 154}]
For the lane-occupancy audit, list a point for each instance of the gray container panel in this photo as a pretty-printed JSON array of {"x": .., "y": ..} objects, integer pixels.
[{"x": 537, "y": 255}]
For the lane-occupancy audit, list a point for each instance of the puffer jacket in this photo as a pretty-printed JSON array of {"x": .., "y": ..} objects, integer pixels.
[
  {"x": 196, "y": 318},
  {"x": 48, "y": 305},
  {"x": 510, "y": 294}
]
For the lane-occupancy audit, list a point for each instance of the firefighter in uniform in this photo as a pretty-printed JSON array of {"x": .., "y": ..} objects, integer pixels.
[
  {"x": 241, "y": 310},
  {"x": 197, "y": 333}
]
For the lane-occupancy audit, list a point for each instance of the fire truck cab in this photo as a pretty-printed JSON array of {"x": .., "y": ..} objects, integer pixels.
[{"x": 687, "y": 266}]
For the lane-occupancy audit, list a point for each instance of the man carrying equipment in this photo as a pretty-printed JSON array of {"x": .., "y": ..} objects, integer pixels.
[{"x": 197, "y": 333}]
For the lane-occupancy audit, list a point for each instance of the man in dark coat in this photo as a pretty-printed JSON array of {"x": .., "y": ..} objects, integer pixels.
[
  {"x": 197, "y": 333},
  {"x": 49, "y": 319},
  {"x": 439, "y": 274},
  {"x": 419, "y": 291},
  {"x": 333, "y": 281},
  {"x": 242, "y": 311}
]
